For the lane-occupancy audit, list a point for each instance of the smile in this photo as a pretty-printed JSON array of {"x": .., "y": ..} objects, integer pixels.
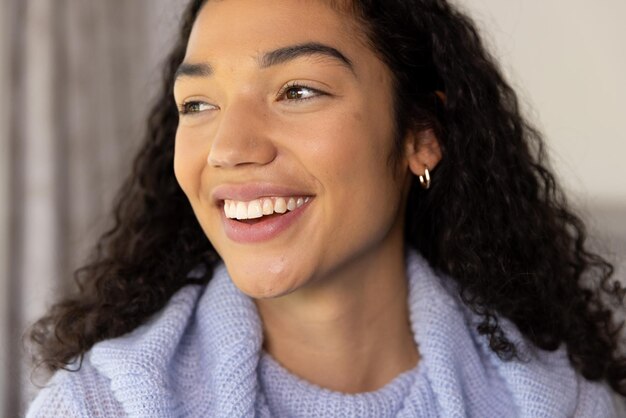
[
  {"x": 258, "y": 208},
  {"x": 262, "y": 219}
]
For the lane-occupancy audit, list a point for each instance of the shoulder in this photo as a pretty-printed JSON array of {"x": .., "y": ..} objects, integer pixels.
[
  {"x": 596, "y": 400},
  {"x": 80, "y": 393},
  {"x": 536, "y": 383},
  {"x": 546, "y": 381},
  {"x": 539, "y": 382},
  {"x": 101, "y": 385}
]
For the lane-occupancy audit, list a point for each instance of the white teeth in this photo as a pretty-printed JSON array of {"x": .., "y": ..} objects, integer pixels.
[
  {"x": 268, "y": 207},
  {"x": 230, "y": 209},
  {"x": 258, "y": 208},
  {"x": 280, "y": 206},
  {"x": 254, "y": 209},
  {"x": 242, "y": 210}
]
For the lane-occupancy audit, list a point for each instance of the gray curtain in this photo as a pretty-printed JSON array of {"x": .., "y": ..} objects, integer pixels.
[{"x": 79, "y": 76}]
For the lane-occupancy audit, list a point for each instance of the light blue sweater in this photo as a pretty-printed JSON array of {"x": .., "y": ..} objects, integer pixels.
[{"x": 202, "y": 356}]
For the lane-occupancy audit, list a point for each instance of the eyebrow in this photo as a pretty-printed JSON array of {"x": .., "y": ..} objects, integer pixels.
[
  {"x": 275, "y": 57},
  {"x": 289, "y": 53},
  {"x": 193, "y": 70}
]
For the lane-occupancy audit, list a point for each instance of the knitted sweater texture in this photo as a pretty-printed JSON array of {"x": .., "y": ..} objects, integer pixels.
[{"x": 202, "y": 356}]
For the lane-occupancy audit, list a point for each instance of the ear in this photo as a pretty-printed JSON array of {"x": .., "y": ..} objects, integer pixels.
[{"x": 422, "y": 151}]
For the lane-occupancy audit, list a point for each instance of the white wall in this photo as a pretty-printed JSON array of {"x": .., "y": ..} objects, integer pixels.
[{"x": 567, "y": 58}]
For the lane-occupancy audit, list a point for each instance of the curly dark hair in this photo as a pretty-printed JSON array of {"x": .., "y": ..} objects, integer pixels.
[{"x": 494, "y": 219}]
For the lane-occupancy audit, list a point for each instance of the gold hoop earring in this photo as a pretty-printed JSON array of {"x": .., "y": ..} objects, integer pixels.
[{"x": 425, "y": 179}]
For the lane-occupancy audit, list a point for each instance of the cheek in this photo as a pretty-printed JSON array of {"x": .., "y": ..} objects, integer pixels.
[
  {"x": 354, "y": 152},
  {"x": 350, "y": 159},
  {"x": 188, "y": 165}
]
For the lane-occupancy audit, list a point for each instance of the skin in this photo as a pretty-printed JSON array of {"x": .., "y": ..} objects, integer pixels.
[{"x": 330, "y": 289}]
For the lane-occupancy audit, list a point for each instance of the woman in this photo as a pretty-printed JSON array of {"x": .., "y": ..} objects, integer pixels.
[{"x": 384, "y": 238}]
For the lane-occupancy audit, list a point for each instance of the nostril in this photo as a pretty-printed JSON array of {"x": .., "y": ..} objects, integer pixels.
[
  {"x": 236, "y": 159},
  {"x": 233, "y": 147}
]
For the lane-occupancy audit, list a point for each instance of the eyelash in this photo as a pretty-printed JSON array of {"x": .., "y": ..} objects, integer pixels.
[
  {"x": 184, "y": 108},
  {"x": 298, "y": 86}
]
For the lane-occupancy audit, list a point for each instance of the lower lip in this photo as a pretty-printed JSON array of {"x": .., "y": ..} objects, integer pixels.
[{"x": 264, "y": 230}]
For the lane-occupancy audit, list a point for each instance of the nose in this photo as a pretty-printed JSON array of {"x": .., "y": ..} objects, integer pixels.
[{"x": 241, "y": 137}]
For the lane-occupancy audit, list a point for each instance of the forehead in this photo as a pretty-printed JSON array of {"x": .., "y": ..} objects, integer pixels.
[{"x": 225, "y": 27}]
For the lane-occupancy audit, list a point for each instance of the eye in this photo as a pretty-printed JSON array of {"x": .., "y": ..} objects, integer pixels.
[
  {"x": 193, "y": 107},
  {"x": 298, "y": 92}
]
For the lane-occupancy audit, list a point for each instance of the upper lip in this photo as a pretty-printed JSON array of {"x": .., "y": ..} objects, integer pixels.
[{"x": 250, "y": 191}]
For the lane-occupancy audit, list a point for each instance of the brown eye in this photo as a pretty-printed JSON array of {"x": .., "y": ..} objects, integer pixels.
[
  {"x": 298, "y": 93},
  {"x": 295, "y": 93},
  {"x": 193, "y": 107}
]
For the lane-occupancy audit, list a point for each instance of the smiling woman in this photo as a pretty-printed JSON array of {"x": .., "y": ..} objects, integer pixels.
[
  {"x": 292, "y": 122},
  {"x": 358, "y": 223}
]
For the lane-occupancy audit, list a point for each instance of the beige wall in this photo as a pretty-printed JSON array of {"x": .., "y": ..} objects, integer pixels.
[{"x": 567, "y": 58}]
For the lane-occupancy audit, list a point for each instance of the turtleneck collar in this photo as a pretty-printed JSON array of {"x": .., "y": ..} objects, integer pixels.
[{"x": 202, "y": 356}]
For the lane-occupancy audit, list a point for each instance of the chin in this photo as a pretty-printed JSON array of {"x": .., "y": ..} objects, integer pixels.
[{"x": 265, "y": 283}]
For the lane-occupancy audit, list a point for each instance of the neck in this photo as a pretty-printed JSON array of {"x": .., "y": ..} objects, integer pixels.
[{"x": 349, "y": 333}]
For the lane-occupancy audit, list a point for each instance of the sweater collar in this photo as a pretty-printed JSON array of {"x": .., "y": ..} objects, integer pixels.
[
  {"x": 195, "y": 357},
  {"x": 200, "y": 356}
]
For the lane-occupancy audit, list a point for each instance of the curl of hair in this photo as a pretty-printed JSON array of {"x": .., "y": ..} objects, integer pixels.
[{"x": 494, "y": 219}]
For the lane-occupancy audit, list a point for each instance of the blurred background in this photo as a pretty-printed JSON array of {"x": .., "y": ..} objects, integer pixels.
[{"x": 78, "y": 76}]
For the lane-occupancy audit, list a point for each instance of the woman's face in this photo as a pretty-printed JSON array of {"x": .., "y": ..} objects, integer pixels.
[{"x": 287, "y": 112}]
